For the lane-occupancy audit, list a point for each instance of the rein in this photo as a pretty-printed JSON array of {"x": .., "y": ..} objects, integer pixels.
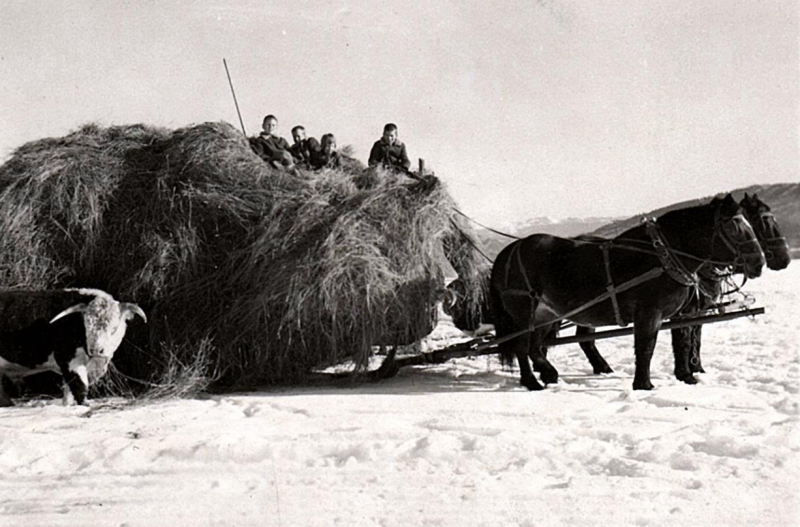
[
  {"x": 469, "y": 239},
  {"x": 487, "y": 227}
]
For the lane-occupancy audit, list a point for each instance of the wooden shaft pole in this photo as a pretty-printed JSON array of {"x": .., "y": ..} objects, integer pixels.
[
  {"x": 235, "y": 102},
  {"x": 671, "y": 324},
  {"x": 487, "y": 346}
]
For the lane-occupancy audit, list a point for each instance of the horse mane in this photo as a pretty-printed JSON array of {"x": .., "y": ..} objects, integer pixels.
[{"x": 687, "y": 217}]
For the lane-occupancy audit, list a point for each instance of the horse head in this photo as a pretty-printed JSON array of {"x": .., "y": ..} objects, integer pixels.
[
  {"x": 773, "y": 242},
  {"x": 739, "y": 246}
]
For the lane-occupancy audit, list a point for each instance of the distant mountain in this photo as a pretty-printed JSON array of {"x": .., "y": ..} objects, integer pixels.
[{"x": 783, "y": 199}]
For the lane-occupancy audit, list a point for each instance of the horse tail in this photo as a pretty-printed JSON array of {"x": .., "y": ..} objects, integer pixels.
[{"x": 503, "y": 323}]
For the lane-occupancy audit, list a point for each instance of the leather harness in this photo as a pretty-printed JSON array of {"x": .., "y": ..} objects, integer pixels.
[{"x": 670, "y": 264}]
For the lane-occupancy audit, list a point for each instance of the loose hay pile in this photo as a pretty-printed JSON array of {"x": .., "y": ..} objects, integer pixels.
[{"x": 279, "y": 272}]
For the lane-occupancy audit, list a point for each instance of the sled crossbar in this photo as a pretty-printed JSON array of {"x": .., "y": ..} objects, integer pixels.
[{"x": 488, "y": 345}]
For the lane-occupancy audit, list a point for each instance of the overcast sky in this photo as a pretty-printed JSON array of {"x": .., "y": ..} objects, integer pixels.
[{"x": 558, "y": 108}]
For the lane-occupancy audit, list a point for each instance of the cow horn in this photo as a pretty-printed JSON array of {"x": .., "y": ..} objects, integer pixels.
[
  {"x": 127, "y": 307},
  {"x": 77, "y": 308}
]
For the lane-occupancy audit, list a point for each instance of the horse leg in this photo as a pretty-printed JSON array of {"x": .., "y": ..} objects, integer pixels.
[
  {"x": 694, "y": 359},
  {"x": 552, "y": 333},
  {"x": 527, "y": 378},
  {"x": 5, "y": 400},
  {"x": 682, "y": 350},
  {"x": 537, "y": 352},
  {"x": 599, "y": 364},
  {"x": 645, "y": 332},
  {"x": 516, "y": 315}
]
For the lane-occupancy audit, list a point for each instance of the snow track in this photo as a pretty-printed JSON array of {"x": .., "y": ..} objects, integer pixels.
[{"x": 456, "y": 444}]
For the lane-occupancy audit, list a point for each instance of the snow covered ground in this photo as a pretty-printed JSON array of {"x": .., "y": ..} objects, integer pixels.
[{"x": 452, "y": 445}]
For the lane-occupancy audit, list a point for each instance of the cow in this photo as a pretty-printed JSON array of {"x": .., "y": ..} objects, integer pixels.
[{"x": 74, "y": 332}]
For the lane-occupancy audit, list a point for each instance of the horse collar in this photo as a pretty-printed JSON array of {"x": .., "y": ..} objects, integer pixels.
[{"x": 674, "y": 267}]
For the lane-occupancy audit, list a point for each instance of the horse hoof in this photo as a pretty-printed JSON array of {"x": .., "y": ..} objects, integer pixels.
[
  {"x": 689, "y": 379},
  {"x": 550, "y": 377},
  {"x": 602, "y": 369},
  {"x": 643, "y": 385},
  {"x": 533, "y": 385}
]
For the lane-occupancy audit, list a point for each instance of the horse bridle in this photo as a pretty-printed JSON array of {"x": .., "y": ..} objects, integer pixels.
[
  {"x": 736, "y": 247},
  {"x": 768, "y": 242},
  {"x": 678, "y": 271}
]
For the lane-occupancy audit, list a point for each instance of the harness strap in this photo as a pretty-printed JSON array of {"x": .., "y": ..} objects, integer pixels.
[
  {"x": 469, "y": 240},
  {"x": 633, "y": 282},
  {"x": 487, "y": 227},
  {"x": 529, "y": 290},
  {"x": 515, "y": 255},
  {"x": 610, "y": 285},
  {"x": 763, "y": 217},
  {"x": 507, "y": 267},
  {"x": 522, "y": 270},
  {"x": 675, "y": 269}
]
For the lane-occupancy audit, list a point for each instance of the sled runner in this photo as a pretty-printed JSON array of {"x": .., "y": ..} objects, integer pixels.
[{"x": 487, "y": 345}]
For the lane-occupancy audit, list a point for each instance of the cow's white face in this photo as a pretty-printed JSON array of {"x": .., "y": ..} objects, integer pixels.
[
  {"x": 105, "y": 325},
  {"x": 104, "y": 320}
]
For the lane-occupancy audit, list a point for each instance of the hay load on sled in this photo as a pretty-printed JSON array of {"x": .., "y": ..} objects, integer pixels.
[{"x": 270, "y": 273}]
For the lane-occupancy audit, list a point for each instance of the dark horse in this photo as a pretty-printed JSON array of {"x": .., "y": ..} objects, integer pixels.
[
  {"x": 643, "y": 276},
  {"x": 686, "y": 341}
]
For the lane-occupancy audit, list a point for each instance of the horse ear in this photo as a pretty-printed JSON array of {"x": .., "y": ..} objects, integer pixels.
[{"x": 746, "y": 197}]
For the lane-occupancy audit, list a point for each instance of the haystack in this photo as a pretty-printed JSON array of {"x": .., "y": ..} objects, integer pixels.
[{"x": 279, "y": 272}]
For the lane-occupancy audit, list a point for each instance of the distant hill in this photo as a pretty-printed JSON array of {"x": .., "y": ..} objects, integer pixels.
[{"x": 783, "y": 199}]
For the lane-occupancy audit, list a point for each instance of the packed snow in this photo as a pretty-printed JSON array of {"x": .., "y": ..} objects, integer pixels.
[{"x": 449, "y": 445}]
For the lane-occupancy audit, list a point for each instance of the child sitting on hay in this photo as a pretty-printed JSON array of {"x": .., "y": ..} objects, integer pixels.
[
  {"x": 304, "y": 149},
  {"x": 389, "y": 152},
  {"x": 328, "y": 156},
  {"x": 272, "y": 148}
]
